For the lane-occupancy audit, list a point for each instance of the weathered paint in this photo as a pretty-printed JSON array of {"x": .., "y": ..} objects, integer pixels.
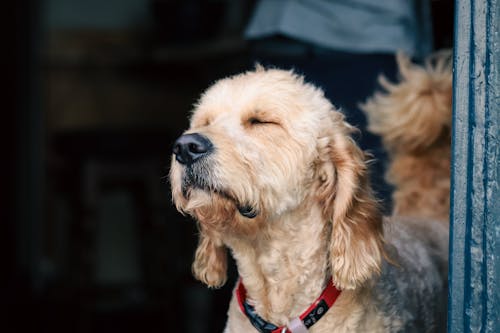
[{"x": 474, "y": 296}]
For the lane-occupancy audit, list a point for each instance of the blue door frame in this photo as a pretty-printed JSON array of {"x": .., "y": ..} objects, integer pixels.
[{"x": 474, "y": 275}]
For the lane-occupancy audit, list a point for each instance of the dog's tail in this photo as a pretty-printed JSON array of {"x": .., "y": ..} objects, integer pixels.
[
  {"x": 411, "y": 115},
  {"x": 413, "y": 118}
]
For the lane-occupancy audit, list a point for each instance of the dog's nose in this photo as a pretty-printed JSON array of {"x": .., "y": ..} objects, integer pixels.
[{"x": 190, "y": 147}]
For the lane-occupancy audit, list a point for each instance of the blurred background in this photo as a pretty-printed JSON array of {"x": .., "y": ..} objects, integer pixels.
[{"x": 98, "y": 90}]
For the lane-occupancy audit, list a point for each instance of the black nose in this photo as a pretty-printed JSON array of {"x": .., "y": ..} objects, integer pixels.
[{"x": 191, "y": 147}]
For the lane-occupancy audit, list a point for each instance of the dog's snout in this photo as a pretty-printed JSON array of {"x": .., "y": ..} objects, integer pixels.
[{"x": 190, "y": 147}]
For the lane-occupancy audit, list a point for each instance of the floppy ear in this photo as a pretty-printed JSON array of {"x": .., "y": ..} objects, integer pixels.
[
  {"x": 210, "y": 260},
  {"x": 356, "y": 240}
]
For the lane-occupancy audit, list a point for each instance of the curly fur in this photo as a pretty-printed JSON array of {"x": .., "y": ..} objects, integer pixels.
[
  {"x": 282, "y": 149},
  {"x": 413, "y": 117}
]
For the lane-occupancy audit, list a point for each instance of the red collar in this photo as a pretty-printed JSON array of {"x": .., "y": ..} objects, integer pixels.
[{"x": 308, "y": 318}]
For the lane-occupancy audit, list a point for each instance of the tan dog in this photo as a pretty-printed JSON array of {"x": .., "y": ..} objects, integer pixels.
[
  {"x": 269, "y": 170},
  {"x": 413, "y": 117}
]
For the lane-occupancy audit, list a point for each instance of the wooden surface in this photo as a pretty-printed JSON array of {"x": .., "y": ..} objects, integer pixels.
[{"x": 475, "y": 229}]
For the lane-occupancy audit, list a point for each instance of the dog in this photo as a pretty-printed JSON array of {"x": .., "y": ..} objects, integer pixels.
[
  {"x": 269, "y": 170},
  {"x": 413, "y": 117}
]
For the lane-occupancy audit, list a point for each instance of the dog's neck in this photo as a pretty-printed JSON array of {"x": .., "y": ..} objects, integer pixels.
[{"x": 285, "y": 269}]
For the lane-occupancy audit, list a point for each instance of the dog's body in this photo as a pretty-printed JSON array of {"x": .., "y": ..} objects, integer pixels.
[
  {"x": 410, "y": 297},
  {"x": 269, "y": 170}
]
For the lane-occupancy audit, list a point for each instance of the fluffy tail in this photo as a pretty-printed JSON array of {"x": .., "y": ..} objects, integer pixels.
[{"x": 413, "y": 117}]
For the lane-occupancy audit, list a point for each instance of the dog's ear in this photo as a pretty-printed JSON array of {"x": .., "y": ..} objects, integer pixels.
[
  {"x": 356, "y": 241},
  {"x": 210, "y": 261}
]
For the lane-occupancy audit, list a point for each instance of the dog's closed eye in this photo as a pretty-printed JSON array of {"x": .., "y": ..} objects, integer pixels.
[{"x": 258, "y": 121}]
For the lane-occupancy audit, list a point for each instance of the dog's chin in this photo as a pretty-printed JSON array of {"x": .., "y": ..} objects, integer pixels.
[{"x": 189, "y": 186}]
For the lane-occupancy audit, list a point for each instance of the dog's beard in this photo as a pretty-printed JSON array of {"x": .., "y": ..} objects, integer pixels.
[
  {"x": 201, "y": 176},
  {"x": 198, "y": 176}
]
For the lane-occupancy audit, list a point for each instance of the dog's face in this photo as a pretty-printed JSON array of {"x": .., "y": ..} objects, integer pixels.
[
  {"x": 261, "y": 145},
  {"x": 252, "y": 147}
]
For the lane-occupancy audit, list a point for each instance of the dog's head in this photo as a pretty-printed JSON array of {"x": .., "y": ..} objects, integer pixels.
[{"x": 265, "y": 144}]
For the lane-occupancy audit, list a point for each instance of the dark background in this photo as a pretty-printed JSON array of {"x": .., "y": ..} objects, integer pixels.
[{"x": 97, "y": 92}]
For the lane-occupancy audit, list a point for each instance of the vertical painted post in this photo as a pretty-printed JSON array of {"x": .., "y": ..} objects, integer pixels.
[{"x": 474, "y": 280}]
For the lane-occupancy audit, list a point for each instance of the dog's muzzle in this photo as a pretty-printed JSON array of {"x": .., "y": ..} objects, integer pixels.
[{"x": 189, "y": 148}]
